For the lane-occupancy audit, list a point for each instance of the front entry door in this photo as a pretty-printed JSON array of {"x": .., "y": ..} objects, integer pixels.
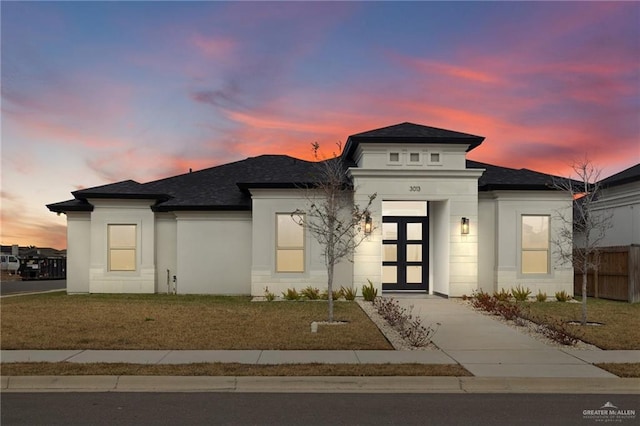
[{"x": 405, "y": 253}]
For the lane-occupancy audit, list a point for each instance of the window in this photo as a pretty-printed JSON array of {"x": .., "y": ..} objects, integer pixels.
[
  {"x": 414, "y": 157},
  {"x": 122, "y": 247},
  {"x": 535, "y": 245},
  {"x": 394, "y": 157},
  {"x": 289, "y": 243},
  {"x": 434, "y": 157}
]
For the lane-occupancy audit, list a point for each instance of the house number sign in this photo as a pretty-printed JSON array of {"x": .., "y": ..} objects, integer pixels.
[{"x": 414, "y": 189}]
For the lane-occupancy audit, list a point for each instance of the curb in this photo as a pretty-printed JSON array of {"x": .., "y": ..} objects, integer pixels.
[{"x": 315, "y": 384}]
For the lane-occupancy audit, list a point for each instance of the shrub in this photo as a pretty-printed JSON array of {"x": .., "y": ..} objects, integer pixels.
[
  {"x": 310, "y": 293},
  {"x": 291, "y": 294},
  {"x": 369, "y": 292},
  {"x": 484, "y": 301},
  {"x": 335, "y": 294},
  {"x": 269, "y": 296},
  {"x": 562, "y": 296},
  {"x": 508, "y": 310},
  {"x": 417, "y": 334},
  {"x": 349, "y": 293},
  {"x": 541, "y": 297},
  {"x": 557, "y": 331},
  {"x": 520, "y": 294},
  {"x": 502, "y": 296}
]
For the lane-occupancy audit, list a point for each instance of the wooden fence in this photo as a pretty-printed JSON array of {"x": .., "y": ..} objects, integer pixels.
[{"x": 617, "y": 276}]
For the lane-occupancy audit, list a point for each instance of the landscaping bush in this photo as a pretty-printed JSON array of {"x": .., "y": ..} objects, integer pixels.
[
  {"x": 335, "y": 294},
  {"x": 310, "y": 293},
  {"x": 349, "y": 293},
  {"x": 562, "y": 296},
  {"x": 369, "y": 292},
  {"x": 291, "y": 294},
  {"x": 269, "y": 296},
  {"x": 541, "y": 297},
  {"x": 520, "y": 294},
  {"x": 502, "y": 295}
]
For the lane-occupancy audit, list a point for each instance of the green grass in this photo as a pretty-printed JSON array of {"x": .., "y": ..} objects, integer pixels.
[
  {"x": 621, "y": 321},
  {"x": 157, "y": 321}
]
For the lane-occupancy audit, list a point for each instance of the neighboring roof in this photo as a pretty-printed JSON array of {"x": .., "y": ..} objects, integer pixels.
[
  {"x": 411, "y": 133},
  {"x": 631, "y": 174}
]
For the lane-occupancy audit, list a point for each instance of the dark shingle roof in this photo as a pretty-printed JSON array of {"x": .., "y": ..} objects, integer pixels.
[
  {"x": 411, "y": 133},
  {"x": 503, "y": 178},
  {"x": 631, "y": 174},
  {"x": 226, "y": 187}
]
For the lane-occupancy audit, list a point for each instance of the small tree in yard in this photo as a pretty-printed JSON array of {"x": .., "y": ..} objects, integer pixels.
[
  {"x": 589, "y": 225},
  {"x": 332, "y": 216}
]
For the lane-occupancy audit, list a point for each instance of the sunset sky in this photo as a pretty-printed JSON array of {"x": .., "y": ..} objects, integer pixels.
[{"x": 98, "y": 92}]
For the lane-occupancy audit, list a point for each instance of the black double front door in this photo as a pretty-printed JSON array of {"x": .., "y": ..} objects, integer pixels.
[{"x": 405, "y": 253}]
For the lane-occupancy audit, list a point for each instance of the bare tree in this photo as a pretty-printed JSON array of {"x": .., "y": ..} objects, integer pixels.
[
  {"x": 580, "y": 237},
  {"x": 332, "y": 217}
]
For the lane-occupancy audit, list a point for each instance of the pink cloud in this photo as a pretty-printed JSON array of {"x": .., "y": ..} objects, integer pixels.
[{"x": 214, "y": 47}]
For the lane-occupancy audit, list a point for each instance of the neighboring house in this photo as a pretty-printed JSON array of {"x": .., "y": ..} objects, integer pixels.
[
  {"x": 442, "y": 224},
  {"x": 620, "y": 195}
]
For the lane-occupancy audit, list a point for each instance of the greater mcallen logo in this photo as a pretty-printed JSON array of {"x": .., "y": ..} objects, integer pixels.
[{"x": 609, "y": 413}]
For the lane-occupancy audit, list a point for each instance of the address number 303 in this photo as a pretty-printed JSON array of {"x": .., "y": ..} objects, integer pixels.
[{"x": 414, "y": 189}]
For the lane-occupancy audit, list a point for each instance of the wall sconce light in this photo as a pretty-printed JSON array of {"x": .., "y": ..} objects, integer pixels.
[
  {"x": 464, "y": 226},
  {"x": 368, "y": 224}
]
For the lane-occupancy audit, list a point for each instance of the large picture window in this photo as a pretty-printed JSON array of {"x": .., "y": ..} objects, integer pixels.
[
  {"x": 535, "y": 244},
  {"x": 122, "y": 247},
  {"x": 289, "y": 244}
]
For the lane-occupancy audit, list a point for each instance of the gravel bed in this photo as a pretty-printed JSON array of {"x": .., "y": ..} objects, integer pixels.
[{"x": 389, "y": 332}]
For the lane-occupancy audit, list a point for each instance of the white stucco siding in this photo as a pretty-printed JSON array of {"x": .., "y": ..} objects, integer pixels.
[
  {"x": 266, "y": 204},
  {"x": 486, "y": 242},
  {"x": 166, "y": 252},
  {"x": 451, "y": 194},
  {"x": 509, "y": 209},
  {"x": 376, "y": 156},
  {"x": 213, "y": 252},
  {"x": 78, "y": 251},
  {"x": 122, "y": 212}
]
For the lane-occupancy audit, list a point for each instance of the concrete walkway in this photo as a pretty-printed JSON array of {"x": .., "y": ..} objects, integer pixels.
[{"x": 488, "y": 348}]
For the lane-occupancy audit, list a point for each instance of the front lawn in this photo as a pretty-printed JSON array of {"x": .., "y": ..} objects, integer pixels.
[
  {"x": 59, "y": 321},
  {"x": 620, "y": 327}
]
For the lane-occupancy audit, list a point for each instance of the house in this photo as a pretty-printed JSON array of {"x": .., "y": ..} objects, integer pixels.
[
  {"x": 620, "y": 196},
  {"x": 443, "y": 224}
]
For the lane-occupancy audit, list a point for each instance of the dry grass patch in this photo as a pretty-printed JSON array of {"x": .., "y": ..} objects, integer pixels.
[
  {"x": 622, "y": 370},
  {"x": 230, "y": 369},
  {"x": 59, "y": 321},
  {"x": 621, "y": 321}
]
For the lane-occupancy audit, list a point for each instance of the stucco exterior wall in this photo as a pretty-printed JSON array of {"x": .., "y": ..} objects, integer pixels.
[
  {"x": 452, "y": 194},
  {"x": 487, "y": 242},
  {"x": 509, "y": 207},
  {"x": 213, "y": 252},
  {"x": 78, "y": 251},
  {"x": 266, "y": 203},
  {"x": 166, "y": 252},
  {"x": 131, "y": 212}
]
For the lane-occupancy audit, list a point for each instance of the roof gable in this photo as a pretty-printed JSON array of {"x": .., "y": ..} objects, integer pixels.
[
  {"x": 404, "y": 133},
  {"x": 631, "y": 174}
]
